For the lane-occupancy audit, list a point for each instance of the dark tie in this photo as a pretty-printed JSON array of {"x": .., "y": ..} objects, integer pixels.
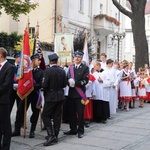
[{"x": 76, "y": 67}]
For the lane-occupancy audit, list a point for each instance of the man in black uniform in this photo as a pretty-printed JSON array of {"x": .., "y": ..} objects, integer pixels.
[
  {"x": 14, "y": 95},
  {"x": 31, "y": 99},
  {"x": 6, "y": 85},
  {"x": 76, "y": 108},
  {"x": 53, "y": 83}
]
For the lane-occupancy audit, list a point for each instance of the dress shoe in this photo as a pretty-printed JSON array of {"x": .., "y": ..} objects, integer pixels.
[
  {"x": 104, "y": 121},
  {"x": 80, "y": 135},
  {"x": 15, "y": 133},
  {"x": 87, "y": 125},
  {"x": 32, "y": 134},
  {"x": 70, "y": 132},
  {"x": 51, "y": 141},
  {"x": 46, "y": 137}
]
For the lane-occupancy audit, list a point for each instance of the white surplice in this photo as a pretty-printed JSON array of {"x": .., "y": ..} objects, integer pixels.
[
  {"x": 110, "y": 79},
  {"x": 97, "y": 87}
]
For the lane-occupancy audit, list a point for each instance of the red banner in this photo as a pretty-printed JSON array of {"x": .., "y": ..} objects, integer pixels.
[{"x": 25, "y": 84}]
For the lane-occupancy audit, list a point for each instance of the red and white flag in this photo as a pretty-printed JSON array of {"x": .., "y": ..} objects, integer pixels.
[{"x": 25, "y": 84}]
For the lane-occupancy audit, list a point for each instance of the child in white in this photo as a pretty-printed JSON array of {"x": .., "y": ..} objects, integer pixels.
[{"x": 141, "y": 89}]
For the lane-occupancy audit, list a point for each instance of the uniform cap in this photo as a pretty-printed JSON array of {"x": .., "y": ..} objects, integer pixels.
[
  {"x": 17, "y": 55},
  {"x": 36, "y": 56},
  {"x": 53, "y": 56},
  {"x": 78, "y": 53}
]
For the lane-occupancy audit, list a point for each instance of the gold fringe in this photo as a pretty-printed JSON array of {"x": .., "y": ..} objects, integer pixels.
[
  {"x": 84, "y": 102},
  {"x": 23, "y": 97}
]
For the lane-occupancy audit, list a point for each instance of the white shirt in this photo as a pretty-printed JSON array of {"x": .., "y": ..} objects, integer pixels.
[
  {"x": 2, "y": 64},
  {"x": 77, "y": 66}
]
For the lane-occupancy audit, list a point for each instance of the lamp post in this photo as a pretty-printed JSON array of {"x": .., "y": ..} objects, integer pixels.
[{"x": 118, "y": 36}]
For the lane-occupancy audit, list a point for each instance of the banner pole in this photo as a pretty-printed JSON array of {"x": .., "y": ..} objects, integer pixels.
[{"x": 25, "y": 118}]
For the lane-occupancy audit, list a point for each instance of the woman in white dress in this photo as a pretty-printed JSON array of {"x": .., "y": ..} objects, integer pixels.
[
  {"x": 125, "y": 87},
  {"x": 133, "y": 88},
  {"x": 142, "y": 89}
]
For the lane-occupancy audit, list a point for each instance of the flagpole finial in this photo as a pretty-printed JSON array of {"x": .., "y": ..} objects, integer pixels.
[{"x": 28, "y": 24}]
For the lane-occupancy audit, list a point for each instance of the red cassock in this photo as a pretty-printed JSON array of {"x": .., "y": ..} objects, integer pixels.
[{"x": 88, "y": 110}]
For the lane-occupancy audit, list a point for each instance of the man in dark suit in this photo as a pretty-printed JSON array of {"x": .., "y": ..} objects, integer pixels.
[
  {"x": 76, "y": 108},
  {"x": 6, "y": 85},
  {"x": 53, "y": 83}
]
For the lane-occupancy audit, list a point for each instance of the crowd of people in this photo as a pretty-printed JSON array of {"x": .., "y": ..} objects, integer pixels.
[{"x": 86, "y": 93}]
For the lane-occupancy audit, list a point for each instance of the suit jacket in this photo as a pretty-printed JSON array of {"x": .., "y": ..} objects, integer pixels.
[
  {"x": 81, "y": 79},
  {"x": 37, "y": 77},
  {"x": 6, "y": 82},
  {"x": 53, "y": 83}
]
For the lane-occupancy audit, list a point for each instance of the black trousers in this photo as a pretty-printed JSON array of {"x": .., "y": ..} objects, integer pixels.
[
  {"x": 31, "y": 99},
  {"x": 65, "y": 110},
  {"x": 5, "y": 127},
  {"x": 100, "y": 110},
  {"x": 76, "y": 115},
  {"x": 14, "y": 96},
  {"x": 52, "y": 110}
]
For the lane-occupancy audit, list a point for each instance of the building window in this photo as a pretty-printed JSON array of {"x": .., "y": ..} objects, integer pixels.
[
  {"x": 81, "y": 3},
  {"x": 148, "y": 20},
  {"x": 32, "y": 31},
  {"x": 101, "y": 8}
]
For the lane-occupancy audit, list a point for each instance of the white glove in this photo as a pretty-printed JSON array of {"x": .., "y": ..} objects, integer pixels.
[
  {"x": 15, "y": 86},
  {"x": 90, "y": 82},
  {"x": 71, "y": 82}
]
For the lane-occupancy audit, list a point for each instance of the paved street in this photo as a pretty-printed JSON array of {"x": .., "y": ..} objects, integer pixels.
[{"x": 124, "y": 131}]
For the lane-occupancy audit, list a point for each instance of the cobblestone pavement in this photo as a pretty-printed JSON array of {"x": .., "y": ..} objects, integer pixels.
[{"x": 124, "y": 131}]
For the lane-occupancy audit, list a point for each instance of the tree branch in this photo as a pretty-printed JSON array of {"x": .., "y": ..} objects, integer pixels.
[{"x": 122, "y": 9}]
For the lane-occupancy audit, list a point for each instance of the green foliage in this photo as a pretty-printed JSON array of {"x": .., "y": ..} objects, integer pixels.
[
  {"x": 47, "y": 46},
  {"x": 9, "y": 41},
  {"x": 16, "y": 7},
  {"x": 78, "y": 42}
]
